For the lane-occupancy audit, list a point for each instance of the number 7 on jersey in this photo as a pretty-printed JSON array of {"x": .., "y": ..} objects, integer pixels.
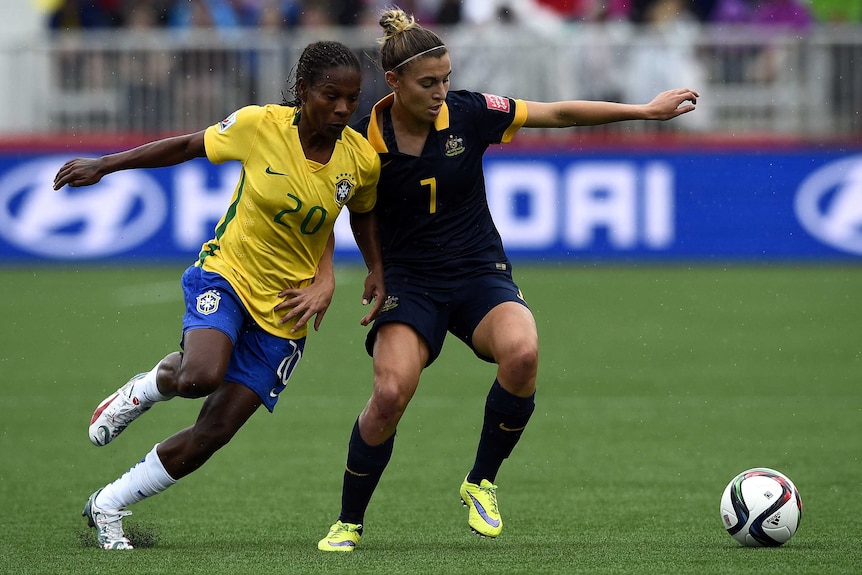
[{"x": 431, "y": 183}]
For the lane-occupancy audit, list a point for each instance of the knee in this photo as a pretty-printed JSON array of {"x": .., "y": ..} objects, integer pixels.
[
  {"x": 520, "y": 366},
  {"x": 389, "y": 403},
  {"x": 193, "y": 381},
  {"x": 523, "y": 361}
]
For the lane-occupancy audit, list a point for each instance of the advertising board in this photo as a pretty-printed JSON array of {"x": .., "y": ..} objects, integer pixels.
[{"x": 548, "y": 206}]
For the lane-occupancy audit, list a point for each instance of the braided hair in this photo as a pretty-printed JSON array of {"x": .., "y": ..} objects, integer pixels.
[{"x": 313, "y": 63}]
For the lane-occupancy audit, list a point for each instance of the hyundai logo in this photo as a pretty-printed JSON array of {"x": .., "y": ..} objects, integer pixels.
[
  {"x": 829, "y": 204},
  {"x": 120, "y": 212}
]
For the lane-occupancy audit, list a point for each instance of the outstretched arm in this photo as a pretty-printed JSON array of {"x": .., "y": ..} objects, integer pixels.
[
  {"x": 158, "y": 154},
  {"x": 665, "y": 106}
]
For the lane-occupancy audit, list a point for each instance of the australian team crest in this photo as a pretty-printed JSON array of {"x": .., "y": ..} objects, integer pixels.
[
  {"x": 454, "y": 146},
  {"x": 390, "y": 303},
  {"x": 208, "y": 302},
  {"x": 343, "y": 188}
]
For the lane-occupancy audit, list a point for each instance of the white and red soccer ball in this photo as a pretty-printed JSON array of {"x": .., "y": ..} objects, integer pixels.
[{"x": 761, "y": 507}]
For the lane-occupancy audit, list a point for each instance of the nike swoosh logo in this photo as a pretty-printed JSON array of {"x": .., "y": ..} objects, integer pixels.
[
  {"x": 385, "y": 164},
  {"x": 484, "y": 514},
  {"x": 269, "y": 170},
  {"x": 504, "y": 428}
]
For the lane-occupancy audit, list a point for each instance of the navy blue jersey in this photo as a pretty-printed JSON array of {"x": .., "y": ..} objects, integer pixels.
[{"x": 432, "y": 209}]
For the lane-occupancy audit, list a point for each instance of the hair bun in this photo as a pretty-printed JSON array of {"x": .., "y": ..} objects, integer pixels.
[{"x": 394, "y": 21}]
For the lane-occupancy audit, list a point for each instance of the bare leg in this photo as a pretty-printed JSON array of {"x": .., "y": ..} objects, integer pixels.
[
  {"x": 507, "y": 334},
  {"x": 199, "y": 369},
  {"x": 400, "y": 354},
  {"x": 399, "y": 357},
  {"x": 223, "y": 413}
]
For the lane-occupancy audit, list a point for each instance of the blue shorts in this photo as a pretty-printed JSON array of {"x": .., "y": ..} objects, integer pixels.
[
  {"x": 260, "y": 361},
  {"x": 433, "y": 307}
]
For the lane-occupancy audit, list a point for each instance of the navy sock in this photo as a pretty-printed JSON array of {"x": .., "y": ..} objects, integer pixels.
[
  {"x": 365, "y": 465},
  {"x": 506, "y": 416}
]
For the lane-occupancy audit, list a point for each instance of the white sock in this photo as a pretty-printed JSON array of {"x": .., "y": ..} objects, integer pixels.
[
  {"x": 145, "y": 479},
  {"x": 147, "y": 390}
]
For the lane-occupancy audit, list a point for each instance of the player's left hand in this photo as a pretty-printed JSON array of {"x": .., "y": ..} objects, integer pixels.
[
  {"x": 672, "y": 103},
  {"x": 305, "y": 303}
]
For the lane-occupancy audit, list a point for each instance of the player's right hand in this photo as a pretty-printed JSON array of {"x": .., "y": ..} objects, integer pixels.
[
  {"x": 78, "y": 172},
  {"x": 374, "y": 293}
]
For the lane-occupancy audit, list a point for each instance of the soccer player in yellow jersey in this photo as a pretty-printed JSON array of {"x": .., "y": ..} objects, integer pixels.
[{"x": 263, "y": 276}]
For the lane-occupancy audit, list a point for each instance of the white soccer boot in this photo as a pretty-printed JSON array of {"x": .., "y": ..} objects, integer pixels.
[
  {"x": 116, "y": 413},
  {"x": 108, "y": 524}
]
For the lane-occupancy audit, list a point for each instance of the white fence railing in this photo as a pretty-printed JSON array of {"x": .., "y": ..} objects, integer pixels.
[{"x": 752, "y": 81}]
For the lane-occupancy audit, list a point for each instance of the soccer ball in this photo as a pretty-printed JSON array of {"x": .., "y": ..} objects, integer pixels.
[{"x": 761, "y": 507}]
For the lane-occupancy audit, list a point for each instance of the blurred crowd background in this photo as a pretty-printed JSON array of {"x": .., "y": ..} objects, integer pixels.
[
  {"x": 764, "y": 67},
  {"x": 227, "y": 14}
]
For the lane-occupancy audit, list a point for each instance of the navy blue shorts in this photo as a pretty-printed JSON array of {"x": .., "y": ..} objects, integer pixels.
[
  {"x": 260, "y": 361},
  {"x": 434, "y": 307}
]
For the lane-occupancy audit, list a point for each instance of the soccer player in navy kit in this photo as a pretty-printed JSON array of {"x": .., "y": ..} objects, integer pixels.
[
  {"x": 266, "y": 272},
  {"x": 444, "y": 264}
]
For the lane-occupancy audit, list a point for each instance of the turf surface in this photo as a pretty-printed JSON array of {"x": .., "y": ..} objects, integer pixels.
[{"x": 656, "y": 386}]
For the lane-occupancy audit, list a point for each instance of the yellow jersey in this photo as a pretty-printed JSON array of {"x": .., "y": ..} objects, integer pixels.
[{"x": 284, "y": 206}]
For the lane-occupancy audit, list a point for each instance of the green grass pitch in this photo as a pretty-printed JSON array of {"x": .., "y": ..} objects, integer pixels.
[{"x": 657, "y": 385}]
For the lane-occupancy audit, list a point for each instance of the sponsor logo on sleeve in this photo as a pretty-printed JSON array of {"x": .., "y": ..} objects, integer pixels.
[
  {"x": 227, "y": 122},
  {"x": 498, "y": 103}
]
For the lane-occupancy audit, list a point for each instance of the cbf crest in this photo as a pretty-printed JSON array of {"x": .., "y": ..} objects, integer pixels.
[
  {"x": 343, "y": 188},
  {"x": 208, "y": 302},
  {"x": 454, "y": 146}
]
